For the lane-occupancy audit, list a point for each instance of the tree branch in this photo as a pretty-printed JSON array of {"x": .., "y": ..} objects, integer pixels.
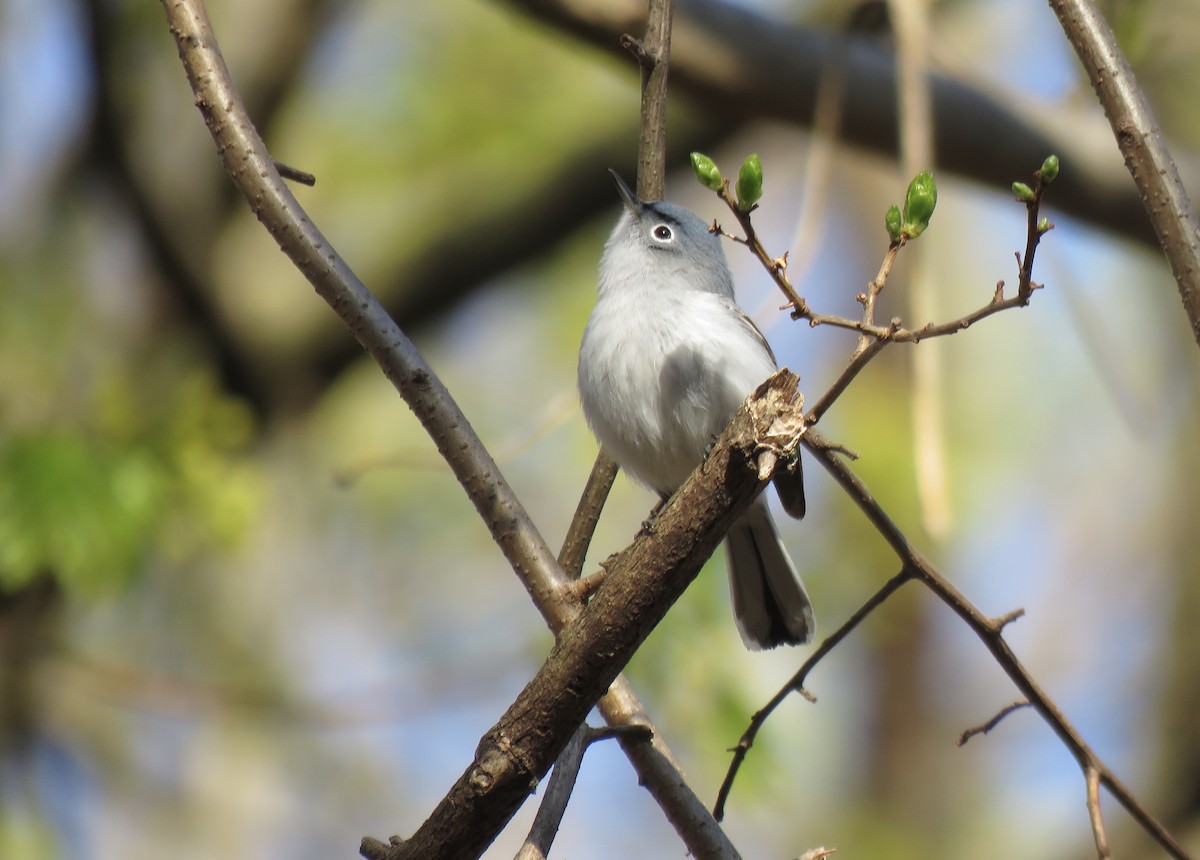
[
  {"x": 587, "y": 515},
  {"x": 1142, "y": 144},
  {"x": 643, "y": 582},
  {"x": 989, "y": 631},
  {"x": 253, "y": 172}
]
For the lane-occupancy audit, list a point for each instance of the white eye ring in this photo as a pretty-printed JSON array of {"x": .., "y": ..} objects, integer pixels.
[{"x": 662, "y": 233}]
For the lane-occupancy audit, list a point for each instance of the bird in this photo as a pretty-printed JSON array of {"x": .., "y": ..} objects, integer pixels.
[{"x": 666, "y": 360}]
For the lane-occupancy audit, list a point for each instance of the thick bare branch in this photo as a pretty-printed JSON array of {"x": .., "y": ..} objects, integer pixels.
[
  {"x": 643, "y": 582},
  {"x": 1142, "y": 143},
  {"x": 253, "y": 172}
]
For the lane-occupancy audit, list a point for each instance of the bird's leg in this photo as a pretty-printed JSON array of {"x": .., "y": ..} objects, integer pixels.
[{"x": 648, "y": 523}]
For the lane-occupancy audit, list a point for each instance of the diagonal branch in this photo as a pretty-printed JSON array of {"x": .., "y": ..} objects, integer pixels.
[
  {"x": 643, "y": 582},
  {"x": 1142, "y": 143},
  {"x": 253, "y": 171},
  {"x": 796, "y": 684}
]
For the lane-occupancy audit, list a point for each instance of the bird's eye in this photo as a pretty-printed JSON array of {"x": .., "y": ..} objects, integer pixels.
[{"x": 662, "y": 233}]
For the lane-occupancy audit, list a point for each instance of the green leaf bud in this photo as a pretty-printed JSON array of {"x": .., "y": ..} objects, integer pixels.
[
  {"x": 749, "y": 183},
  {"x": 1022, "y": 192},
  {"x": 1049, "y": 169},
  {"x": 706, "y": 171},
  {"x": 892, "y": 221},
  {"x": 919, "y": 203}
]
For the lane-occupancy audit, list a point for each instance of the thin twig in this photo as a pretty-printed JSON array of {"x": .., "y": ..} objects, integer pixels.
[
  {"x": 775, "y": 266},
  {"x": 985, "y": 728},
  {"x": 990, "y": 632},
  {"x": 874, "y": 337},
  {"x": 871, "y": 297},
  {"x": 653, "y": 761},
  {"x": 561, "y": 784},
  {"x": 655, "y": 61},
  {"x": 587, "y": 515},
  {"x": 581, "y": 589},
  {"x": 856, "y": 365},
  {"x": 554, "y": 802},
  {"x": 796, "y": 685},
  {"x": 1092, "y": 778}
]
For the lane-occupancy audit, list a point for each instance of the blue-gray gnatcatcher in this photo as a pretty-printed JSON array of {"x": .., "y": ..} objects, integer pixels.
[{"x": 666, "y": 361}]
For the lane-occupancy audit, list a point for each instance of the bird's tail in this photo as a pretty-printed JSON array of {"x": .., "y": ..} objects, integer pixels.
[{"x": 769, "y": 601}]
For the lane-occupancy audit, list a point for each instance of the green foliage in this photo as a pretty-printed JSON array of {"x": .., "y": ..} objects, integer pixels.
[
  {"x": 88, "y": 501},
  {"x": 750, "y": 182}
]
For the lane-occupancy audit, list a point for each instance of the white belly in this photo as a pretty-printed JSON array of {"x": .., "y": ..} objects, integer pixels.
[{"x": 659, "y": 379}]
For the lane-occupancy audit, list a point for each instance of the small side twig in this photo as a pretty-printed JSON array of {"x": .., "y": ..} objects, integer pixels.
[
  {"x": 1092, "y": 779},
  {"x": 553, "y": 807},
  {"x": 871, "y": 296},
  {"x": 295, "y": 174},
  {"x": 587, "y": 515},
  {"x": 985, "y": 728},
  {"x": 581, "y": 589},
  {"x": 561, "y": 785},
  {"x": 775, "y": 266}
]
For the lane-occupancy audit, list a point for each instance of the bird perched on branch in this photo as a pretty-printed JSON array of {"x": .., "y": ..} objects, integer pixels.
[{"x": 667, "y": 359}]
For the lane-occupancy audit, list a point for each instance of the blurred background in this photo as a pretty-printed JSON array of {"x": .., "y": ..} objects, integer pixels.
[{"x": 245, "y": 611}]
